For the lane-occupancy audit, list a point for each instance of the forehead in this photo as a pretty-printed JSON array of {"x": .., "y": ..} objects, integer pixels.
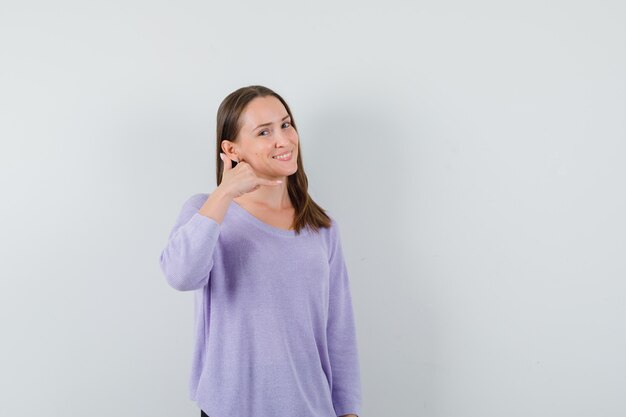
[{"x": 263, "y": 110}]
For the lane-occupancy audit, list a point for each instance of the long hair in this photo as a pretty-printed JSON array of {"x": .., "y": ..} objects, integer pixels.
[{"x": 308, "y": 212}]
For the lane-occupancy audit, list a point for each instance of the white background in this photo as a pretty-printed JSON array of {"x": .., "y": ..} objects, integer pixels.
[{"x": 472, "y": 152}]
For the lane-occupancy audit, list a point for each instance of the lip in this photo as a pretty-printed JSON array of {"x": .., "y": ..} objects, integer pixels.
[{"x": 284, "y": 153}]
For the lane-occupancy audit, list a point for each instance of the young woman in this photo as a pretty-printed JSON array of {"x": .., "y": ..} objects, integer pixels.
[{"x": 275, "y": 330}]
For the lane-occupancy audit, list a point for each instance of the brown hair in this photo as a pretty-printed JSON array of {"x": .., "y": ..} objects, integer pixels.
[{"x": 308, "y": 213}]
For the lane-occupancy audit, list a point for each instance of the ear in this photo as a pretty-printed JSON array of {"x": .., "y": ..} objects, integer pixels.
[{"x": 230, "y": 150}]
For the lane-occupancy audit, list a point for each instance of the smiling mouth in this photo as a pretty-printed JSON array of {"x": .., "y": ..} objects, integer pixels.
[{"x": 283, "y": 157}]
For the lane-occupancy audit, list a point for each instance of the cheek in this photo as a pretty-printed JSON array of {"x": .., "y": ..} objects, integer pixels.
[{"x": 262, "y": 153}]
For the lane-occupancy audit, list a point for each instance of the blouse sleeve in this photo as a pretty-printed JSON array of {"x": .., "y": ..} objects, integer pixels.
[
  {"x": 187, "y": 257},
  {"x": 341, "y": 334}
]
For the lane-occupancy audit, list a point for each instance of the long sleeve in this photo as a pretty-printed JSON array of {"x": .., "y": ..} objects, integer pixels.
[
  {"x": 341, "y": 334},
  {"x": 187, "y": 258}
]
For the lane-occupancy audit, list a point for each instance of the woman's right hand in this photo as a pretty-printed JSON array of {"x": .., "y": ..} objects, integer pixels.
[{"x": 241, "y": 179}]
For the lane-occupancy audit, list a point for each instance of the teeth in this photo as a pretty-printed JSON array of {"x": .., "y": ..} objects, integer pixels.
[{"x": 285, "y": 156}]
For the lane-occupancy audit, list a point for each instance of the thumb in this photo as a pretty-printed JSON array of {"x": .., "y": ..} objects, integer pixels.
[{"x": 228, "y": 163}]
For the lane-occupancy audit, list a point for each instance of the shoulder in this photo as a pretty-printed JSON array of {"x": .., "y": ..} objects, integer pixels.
[
  {"x": 334, "y": 224},
  {"x": 332, "y": 233},
  {"x": 196, "y": 200}
]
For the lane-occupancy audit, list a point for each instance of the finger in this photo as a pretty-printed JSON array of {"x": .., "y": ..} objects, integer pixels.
[{"x": 272, "y": 182}]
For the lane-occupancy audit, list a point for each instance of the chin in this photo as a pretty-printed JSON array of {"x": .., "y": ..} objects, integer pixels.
[{"x": 286, "y": 173}]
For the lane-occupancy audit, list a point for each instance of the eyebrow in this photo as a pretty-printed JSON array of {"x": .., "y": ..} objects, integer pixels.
[{"x": 267, "y": 124}]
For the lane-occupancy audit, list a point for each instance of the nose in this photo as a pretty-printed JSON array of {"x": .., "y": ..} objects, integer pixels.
[{"x": 282, "y": 139}]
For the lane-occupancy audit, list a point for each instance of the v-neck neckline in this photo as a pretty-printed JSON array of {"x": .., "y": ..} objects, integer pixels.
[{"x": 261, "y": 224}]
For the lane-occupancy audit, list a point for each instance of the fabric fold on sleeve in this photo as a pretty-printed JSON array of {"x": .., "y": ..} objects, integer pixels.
[{"x": 187, "y": 258}]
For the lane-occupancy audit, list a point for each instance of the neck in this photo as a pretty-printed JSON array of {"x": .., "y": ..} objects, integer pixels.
[{"x": 272, "y": 197}]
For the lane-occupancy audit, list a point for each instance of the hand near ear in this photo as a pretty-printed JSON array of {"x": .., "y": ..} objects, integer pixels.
[{"x": 241, "y": 179}]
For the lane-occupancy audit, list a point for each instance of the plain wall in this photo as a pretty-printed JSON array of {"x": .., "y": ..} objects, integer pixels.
[{"x": 473, "y": 153}]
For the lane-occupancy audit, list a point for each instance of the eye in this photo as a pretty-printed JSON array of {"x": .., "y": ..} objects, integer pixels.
[{"x": 262, "y": 131}]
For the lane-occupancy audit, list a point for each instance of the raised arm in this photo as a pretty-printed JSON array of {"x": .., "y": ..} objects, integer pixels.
[{"x": 187, "y": 258}]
